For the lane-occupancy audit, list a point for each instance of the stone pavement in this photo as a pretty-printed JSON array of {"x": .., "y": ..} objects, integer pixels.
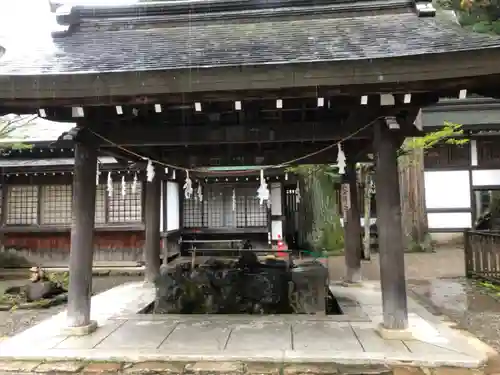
[{"x": 350, "y": 339}]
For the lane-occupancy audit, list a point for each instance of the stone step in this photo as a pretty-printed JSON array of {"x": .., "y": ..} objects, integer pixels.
[{"x": 221, "y": 368}]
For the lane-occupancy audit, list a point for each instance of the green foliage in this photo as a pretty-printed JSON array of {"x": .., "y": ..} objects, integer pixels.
[
  {"x": 320, "y": 222},
  {"x": 8, "y": 126},
  {"x": 481, "y": 16},
  {"x": 60, "y": 279},
  {"x": 426, "y": 246},
  {"x": 326, "y": 233},
  {"x": 452, "y": 134},
  {"x": 490, "y": 287}
]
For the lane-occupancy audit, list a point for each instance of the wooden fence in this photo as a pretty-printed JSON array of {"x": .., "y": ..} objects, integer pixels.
[{"x": 482, "y": 254}]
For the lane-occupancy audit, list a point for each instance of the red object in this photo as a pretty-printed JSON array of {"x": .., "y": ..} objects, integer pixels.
[{"x": 281, "y": 246}]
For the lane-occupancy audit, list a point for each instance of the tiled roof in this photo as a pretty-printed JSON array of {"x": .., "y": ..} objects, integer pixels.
[{"x": 136, "y": 45}]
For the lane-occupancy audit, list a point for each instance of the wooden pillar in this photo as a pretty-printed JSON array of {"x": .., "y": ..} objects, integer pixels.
[
  {"x": 152, "y": 211},
  {"x": 352, "y": 227},
  {"x": 82, "y": 237},
  {"x": 390, "y": 235},
  {"x": 164, "y": 228}
]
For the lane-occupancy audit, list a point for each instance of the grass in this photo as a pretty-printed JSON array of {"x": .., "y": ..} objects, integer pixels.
[
  {"x": 19, "y": 301},
  {"x": 491, "y": 287}
]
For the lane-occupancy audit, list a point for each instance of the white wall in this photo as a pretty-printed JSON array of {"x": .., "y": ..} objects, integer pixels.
[
  {"x": 448, "y": 190},
  {"x": 449, "y": 220},
  {"x": 486, "y": 177},
  {"x": 276, "y": 191},
  {"x": 173, "y": 214}
]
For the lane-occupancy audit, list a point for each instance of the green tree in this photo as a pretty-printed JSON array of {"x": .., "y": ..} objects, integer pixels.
[
  {"x": 9, "y": 126},
  {"x": 320, "y": 229},
  {"x": 481, "y": 16},
  {"x": 319, "y": 206}
]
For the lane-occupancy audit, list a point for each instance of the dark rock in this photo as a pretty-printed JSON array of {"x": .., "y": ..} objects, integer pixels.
[
  {"x": 13, "y": 290},
  {"x": 39, "y": 290},
  {"x": 310, "y": 295},
  {"x": 224, "y": 287}
]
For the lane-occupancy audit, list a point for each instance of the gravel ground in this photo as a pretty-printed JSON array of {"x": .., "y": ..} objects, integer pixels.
[
  {"x": 13, "y": 322},
  {"x": 470, "y": 306}
]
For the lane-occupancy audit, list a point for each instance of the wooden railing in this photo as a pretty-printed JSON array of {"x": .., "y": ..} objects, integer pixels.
[{"x": 482, "y": 254}]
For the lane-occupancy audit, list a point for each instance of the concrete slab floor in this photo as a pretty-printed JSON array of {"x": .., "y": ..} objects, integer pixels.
[{"x": 124, "y": 335}]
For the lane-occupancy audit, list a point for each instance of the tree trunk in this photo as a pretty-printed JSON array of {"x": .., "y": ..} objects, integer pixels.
[
  {"x": 320, "y": 227},
  {"x": 414, "y": 218}
]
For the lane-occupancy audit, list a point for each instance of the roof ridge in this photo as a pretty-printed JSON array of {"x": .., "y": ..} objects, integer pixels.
[{"x": 210, "y": 10}]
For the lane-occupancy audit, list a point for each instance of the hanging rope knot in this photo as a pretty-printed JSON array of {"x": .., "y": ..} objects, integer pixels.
[
  {"x": 150, "y": 171},
  {"x": 234, "y": 199},
  {"x": 188, "y": 186},
  {"x": 124, "y": 187},
  {"x": 97, "y": 175},
  {"x": 134, "y": 184},
  {"x": 200, "y": 193},
  {"x": 341, "y": 159},
  {"x": 110, "y": 185},
  {"x": 263, "y": 191},
  {"x": 297, "y": 193}
]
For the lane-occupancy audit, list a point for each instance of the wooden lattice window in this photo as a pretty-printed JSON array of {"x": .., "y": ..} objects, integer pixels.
[
  {"x": 55, "y": 205},
  {"x": 100, "y": 204},
  {"x": 22, "y": 205},
  {"x": 216, "y": 210},
  {"x": 193, "y": 212},
  {"x": 214, "y": 206},
  {"x": 249, "y": 211},
  {"x": 241, "y": 211},
  {"x": 256, "y": 213},
  {"x": 488, "y": 152},
  {"x": 447, "y": 155},
  {"x": 128, "y": 208}
]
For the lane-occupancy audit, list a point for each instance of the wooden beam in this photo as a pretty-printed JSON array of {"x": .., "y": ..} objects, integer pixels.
[
  {"x": 254, "y": 154},
  {"x": 129, "y": 136},
  {"x": 390, "y": 235},
  {"x": 82, "y": 236}
]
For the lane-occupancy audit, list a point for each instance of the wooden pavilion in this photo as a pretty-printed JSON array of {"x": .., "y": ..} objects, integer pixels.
[
  {"x": 242, "y": 83},
  {"x": 36, "y": 203}
]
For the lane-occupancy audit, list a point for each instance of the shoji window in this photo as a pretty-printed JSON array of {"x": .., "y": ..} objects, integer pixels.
[
  {"x": 100, "y": 204},
  {"x": 55, "y": 205},
  {"x": 22, "y": 207},
  {"x": 128, "y": 208}
]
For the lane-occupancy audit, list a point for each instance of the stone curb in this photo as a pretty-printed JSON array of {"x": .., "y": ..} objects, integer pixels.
[
  {"x": 108, "y": 272},
  {"x": 218, "y": 368},
  {"x": 20, "y": 273}
]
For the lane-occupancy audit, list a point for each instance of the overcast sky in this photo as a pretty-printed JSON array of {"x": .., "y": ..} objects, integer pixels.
[{"x": 23, "y": 17}]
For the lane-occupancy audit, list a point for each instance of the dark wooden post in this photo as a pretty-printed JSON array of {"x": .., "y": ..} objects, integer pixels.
[
  {"x": 352, "y": 228},
  {"x": 164, "y": 229},
  {"x": 152, "y": 247},
  {"x": 82, "y": 238},
  {"x": 390, "y": 232}
]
